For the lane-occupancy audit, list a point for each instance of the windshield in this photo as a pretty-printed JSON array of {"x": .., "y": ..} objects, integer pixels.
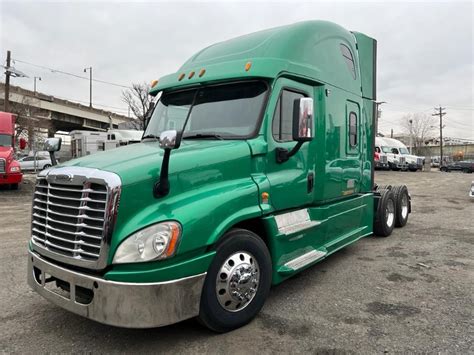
[
  {"x": 386, "y": 149},
  {"x": 403, "y": 150},
  {"x": 222, "y": 111},
  {"x": 5, "y": 140}
]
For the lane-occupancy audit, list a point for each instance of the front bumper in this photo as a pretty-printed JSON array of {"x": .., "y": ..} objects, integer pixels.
[
  {"x": 414, "y": 166},
  {"x": 381, "y": 165},
  {"x": 130, "y": 305},
  {"x": 12, "y": 178}
]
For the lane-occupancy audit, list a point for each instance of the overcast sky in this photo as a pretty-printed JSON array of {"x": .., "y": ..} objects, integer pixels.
[{"x": 425, "y": 50}]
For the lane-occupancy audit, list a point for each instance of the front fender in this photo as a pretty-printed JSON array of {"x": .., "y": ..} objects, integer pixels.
[{"x": 205, "y": 213}]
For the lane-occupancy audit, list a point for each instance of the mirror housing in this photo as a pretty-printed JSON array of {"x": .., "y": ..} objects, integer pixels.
[
  {"x": 52, "y": 144},
  {"x": 303, "y": 122},
  {"x": 170, "y": 139},
  {"x": 22, "y": 143}
]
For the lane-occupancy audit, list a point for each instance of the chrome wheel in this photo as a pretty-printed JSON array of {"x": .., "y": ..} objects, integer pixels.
[
  {"x": 237, "y": 281},
  {"x": 404, "y": 206},
  {"x": 390, "y": 212}
]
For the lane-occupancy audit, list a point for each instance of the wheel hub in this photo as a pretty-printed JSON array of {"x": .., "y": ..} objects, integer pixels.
[{"x": 237, "y": 281}]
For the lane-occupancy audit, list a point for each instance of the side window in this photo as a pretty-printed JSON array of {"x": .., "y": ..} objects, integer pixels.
[
  {"x": 353, "y": 139},
  {"x": 283, "y": 116},
  {"x": 349, "y": 59}
]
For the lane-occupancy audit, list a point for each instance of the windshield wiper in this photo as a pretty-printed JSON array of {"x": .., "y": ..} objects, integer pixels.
[
  {"x": 150, "y": 136},
  {"x": 203, "y": 136}
]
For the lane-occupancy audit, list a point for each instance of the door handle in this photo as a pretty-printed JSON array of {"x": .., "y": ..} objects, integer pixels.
[{"x": 310, "y": 179}]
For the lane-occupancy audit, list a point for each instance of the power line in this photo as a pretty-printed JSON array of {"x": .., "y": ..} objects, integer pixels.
[{"x": 71, "y": 74}]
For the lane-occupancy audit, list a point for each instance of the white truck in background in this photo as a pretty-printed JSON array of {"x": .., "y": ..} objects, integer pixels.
[{"x": 399, "y": 158}]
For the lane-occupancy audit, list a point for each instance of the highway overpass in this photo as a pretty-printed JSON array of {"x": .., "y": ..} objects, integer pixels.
[{"x": 55, "y": 114}]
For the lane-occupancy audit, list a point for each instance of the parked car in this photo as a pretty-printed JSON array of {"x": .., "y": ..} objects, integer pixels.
[
  {"x": 28, "y": 163},
  {"x": 466, "y": 166},
  {"x": 471, "y": 192}
]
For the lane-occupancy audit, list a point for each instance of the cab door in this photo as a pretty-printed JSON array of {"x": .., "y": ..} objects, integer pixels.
[{"x": 291, "y": 182}]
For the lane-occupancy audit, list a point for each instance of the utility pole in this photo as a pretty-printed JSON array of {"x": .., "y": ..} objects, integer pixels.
[
  {"x": 36, "y": 77},
  {"x": 411, "y": 134},
  {"x": 440, "y": 113},
  {"x": 7, "y": 82},
  {"x": 90, "y": 85}
]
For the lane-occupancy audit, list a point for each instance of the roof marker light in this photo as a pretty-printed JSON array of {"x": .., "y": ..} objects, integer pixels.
[
  {"x": 202, "y": 72},
  {"x": 181, "y": 76},
  {"x": 247, "y": 66},
  {"x": 191, "y": 75},
  {"x": 153, "y": 83}
]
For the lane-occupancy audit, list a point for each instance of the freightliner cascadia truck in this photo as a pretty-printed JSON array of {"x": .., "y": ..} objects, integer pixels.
[
  {"x": 10, "y": 171},
  {"x": 255, "y": 164}
]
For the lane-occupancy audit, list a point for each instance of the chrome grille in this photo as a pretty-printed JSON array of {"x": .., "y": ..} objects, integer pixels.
[
  {"x": 419, "y": 161},
  {"x": 402, "y": 160},
  {"x": 73, "y": 214},
  {"x": 2, "y": 166},
  {"x": 383, "y": 159}
]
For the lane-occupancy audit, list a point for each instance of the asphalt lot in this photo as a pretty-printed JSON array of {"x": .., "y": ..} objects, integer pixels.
[{"x": 411, "y": 292}]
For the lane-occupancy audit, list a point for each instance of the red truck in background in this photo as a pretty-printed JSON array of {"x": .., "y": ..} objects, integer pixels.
[{"x": 10, "y": 171}]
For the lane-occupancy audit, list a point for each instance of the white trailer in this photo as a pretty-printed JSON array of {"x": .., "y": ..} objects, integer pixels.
[{"x": 90, "y": 142}]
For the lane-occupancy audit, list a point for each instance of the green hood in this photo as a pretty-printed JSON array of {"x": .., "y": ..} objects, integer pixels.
[{"x": 193, "y": 160}]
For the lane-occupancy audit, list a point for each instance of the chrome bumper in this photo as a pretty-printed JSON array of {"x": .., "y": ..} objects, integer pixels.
[{"x": 130, "y": 305}]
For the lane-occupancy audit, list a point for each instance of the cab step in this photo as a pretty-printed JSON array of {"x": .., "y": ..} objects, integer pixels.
[{"x": 302, "y": 261}]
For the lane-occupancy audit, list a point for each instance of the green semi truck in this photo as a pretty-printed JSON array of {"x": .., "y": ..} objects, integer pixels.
[{"x": 256, "y": 163}]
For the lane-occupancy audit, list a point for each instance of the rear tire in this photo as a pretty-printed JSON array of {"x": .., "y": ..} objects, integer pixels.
[
  {"x": 385, "y": 215},
  {"x": 402, "y": 205},
  {"x": 242, "y": 268}
]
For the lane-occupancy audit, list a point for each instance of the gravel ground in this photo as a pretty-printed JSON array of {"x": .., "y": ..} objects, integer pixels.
[{"x": 411, "y": 292}]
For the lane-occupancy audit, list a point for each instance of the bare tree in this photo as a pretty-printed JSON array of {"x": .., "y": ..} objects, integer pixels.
[
  {"x": 138, "y": 100},
  {"x": 30, "y": 122},
  {"x": 422, "y": 127}
]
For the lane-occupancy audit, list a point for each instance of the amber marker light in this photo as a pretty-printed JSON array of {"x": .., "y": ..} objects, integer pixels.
[
  {"x": 172, "y": 246},
  {"x": 153, "y": 83},
  {"x": 202, "y": 72},
  {"x": 191, "y": 75},
  {"x": 248, "y": 65},
  {"x": 265, "y": 196},
  {"x": 181, "y": 76}
]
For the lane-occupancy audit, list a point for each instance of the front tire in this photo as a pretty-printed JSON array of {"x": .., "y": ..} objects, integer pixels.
[{"x": 237, "y": 282}]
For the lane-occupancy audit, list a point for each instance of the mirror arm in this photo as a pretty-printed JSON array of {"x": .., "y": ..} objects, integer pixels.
[
  {"x": 283, "y": 155},
  {"x": 53, "y": 159},
  {"x": 162, "y": 186}
]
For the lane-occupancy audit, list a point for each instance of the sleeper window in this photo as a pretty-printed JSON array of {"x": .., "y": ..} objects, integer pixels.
[{"x": 349, "y": 59}]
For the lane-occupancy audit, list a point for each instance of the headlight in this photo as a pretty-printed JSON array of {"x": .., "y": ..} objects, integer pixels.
[
  {"x": 156, "y": 242},
  {"x": 15, "y": 169}
]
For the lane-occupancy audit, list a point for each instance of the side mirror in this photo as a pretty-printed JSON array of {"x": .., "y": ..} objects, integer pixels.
[
  {"x": 170, "y": 139},
  {"x": 52, "y": 144},
  {"x": 303, "y": 122},
  {"x": 22, "y": 143},
  {"x": 303, "y": 128}
]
